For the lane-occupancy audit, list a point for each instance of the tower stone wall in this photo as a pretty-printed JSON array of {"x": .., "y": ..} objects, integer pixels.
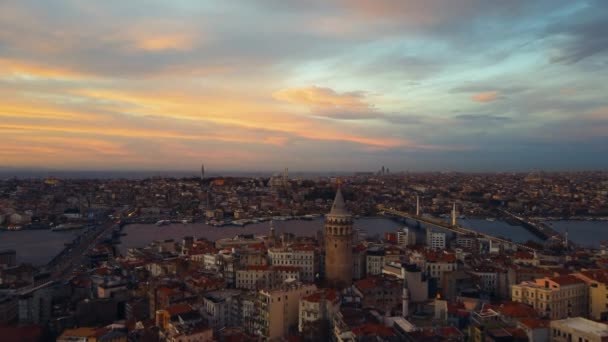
[{"x": 339, "y": 244}]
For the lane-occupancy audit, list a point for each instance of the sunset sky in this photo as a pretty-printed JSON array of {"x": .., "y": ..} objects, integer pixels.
[{"x": 470, "y": 85}]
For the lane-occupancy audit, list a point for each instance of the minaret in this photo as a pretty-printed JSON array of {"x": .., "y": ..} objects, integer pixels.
[
  {"x": 405, "y": 304},
  {"x": 339, "y": 244},
  {"x": 273, "y": 234},
  {"x": 417, "y": 205},
  {"x": 454, "y": 215}
]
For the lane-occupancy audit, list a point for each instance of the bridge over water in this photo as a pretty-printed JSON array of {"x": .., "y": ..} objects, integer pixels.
[{"x": 457, "y": 229}]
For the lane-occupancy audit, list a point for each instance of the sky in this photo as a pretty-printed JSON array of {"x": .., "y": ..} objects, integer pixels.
[{"x": 318, "y": 85}]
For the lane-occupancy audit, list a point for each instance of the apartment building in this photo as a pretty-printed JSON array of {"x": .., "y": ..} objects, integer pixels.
[
  {"x": 304, "y": 257},
  {"x": 554, "y": 298},
  {"x": 278, "y": 309},
  {"x": 597, "y": 282}
]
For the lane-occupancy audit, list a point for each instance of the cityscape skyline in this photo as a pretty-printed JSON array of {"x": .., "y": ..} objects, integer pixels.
[{"x": 330, "y": 85}]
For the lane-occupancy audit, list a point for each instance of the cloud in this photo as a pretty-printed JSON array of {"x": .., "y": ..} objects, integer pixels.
[
  {"x": 165, "y": 42},
  {"x": 232, "y": 79},
  {"x": 582, "y": 38},
  {"x": 328, "y": 103},
  {"x": 483, "y": 118},
  {"x": 488, "y": 96},
  {"x": 322, "y": 97},
  {"x": 25, "y": 69}
]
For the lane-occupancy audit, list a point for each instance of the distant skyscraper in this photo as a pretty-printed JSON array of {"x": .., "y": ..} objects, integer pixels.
[
  {"x": 338, "y": 244},
  {"x": 202, "y": 171}
]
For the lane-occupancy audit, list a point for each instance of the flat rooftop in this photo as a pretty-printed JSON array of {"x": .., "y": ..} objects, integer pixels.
[{"x": 583, "y": 324}]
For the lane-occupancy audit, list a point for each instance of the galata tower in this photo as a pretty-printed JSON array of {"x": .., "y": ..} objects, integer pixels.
[{"x": 339, "y": 244}]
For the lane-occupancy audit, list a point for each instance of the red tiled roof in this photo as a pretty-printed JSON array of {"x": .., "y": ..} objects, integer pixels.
[
  {"x": 516, "y": 310},
  {"x": 534, "y": 323},
  {"x": 377, "y": 281},
  {"x": 523, "y": 255},
  {"x": 454, "y": 307},
  {"x": 359, "y": 248},
  {"x": 179, "y": 309},
  {"x": 373, "y": 329},
  {"x": 257, "y": 268},
  {"x": 31, "y": 333},
  {"x": 303, "y": 248},
  {"x": 330, "y": 295},
  {"x": 449, "y": 332},
  {"x": 600, "y": 276},
  {"x": 566, "y": 280},
  {"x": 433, "y": 256},
  {"x": 102, "y": 271},
  {"x": 167, "y": 291}
]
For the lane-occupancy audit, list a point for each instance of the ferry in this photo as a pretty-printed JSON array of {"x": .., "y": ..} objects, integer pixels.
[
  {"x": 163, "y": 222},
  {"x": 66, "y": 226},
  {"x": 216, "y": 223}
]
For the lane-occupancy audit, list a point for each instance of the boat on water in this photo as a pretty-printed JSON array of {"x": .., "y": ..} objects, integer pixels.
[
  {"x": 163, "y": 222},
  {"x": 216, "y": 223},
  {"x": 66, "y": 226},
  {"x": 490, "y": 219}
]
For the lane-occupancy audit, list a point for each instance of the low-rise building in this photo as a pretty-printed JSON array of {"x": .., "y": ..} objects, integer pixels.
[
  {"x": 578, "y": 329},
  {"x": 255, "y": 277},
  {"x": 536, "y": 329},
  {"x": 383, "y": 293}
]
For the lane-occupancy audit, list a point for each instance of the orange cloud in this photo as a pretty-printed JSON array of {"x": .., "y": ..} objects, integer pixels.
[
  {"x": 599, "y": 114},
  {"x": 246, "y": 114},
  {"x": 10, "y": 67},
  {"x": 181, "y": 115},
  {"x": 488, "y": 96},
  {"x": 319, "y": 96},
  {"x": 165, "y": 42}
]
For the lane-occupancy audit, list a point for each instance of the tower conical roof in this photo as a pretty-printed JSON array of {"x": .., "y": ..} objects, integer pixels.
[{"x": 339, "y": 207}]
